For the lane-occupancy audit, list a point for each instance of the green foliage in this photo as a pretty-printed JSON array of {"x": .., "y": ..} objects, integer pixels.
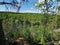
[
  {"x": 58, "y": 0},
  {"x": 59, "y": 8},
  {"x": 45, "y": 6},
  {"x": 58, "y": 22},
  {"x": 39, "y": 27}
]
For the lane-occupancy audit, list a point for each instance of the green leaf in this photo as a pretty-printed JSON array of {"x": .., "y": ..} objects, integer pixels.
[
  {"x": 58, "y": 0},
  {"x": 59, "y": 8}
]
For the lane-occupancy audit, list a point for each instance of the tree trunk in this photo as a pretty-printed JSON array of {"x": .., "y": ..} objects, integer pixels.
[
  {"x": 2, "y": 38},
  {"x": 46, "y": 6}
]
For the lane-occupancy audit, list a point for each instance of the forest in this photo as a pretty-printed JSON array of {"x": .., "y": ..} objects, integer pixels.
[
  {"x": 35, "y": 28},
  {"x": 29, "y": 22}
]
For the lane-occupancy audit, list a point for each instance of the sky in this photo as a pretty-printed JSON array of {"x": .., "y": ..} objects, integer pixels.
[{"x": 27, "y": 6}]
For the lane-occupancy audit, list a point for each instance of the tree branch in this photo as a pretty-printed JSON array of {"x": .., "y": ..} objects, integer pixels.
[{"x": 3, "y": 3}]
